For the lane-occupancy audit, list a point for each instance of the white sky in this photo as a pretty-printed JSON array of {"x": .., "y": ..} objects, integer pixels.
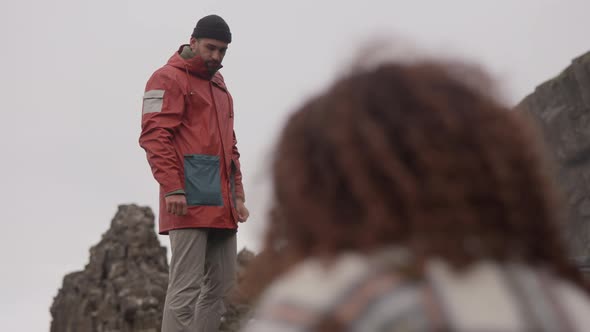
[{"x": 73, "y": 74}]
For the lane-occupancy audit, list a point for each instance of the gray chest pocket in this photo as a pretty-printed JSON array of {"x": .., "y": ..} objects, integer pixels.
[{"x": 202, "y": 180}]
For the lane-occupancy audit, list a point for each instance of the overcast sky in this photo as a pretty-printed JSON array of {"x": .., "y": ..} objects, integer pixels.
[{"x": 73, "y": 73}]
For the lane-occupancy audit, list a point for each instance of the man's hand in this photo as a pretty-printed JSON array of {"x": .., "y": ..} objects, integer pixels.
[
  {"x": 176, "y": 204},
  {"x": 243, "y": 212}
]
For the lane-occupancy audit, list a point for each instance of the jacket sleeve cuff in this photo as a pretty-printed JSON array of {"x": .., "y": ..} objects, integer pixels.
[
  {"x": 175, "y": 192},
  {"x": 240, "y": 195}
]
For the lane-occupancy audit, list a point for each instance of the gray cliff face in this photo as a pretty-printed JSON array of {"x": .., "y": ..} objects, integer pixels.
[
  {"x": 123, "y": 287},
  {"x": 562, "y": 108},
  {"x": 124, "y": 284}
]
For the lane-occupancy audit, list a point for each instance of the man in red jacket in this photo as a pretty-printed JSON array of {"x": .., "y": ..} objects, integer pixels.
[{"x": 188, "y": 135}]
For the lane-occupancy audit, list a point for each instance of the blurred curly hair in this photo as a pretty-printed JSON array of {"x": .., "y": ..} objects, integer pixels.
[{"x": 411, "y": 155}]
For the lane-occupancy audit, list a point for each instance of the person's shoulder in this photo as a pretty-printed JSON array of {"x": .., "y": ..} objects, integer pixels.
[
  {"x": 165, "y": 77},
  {"x": 218, "y": 80},
  {"x": 305, "y": 283},
  {"x": 314, "y": 291},
  {"x": 166, "y": 72},
  {"x": 218, "y": 76},
  {"x": 576, "y": 303}
]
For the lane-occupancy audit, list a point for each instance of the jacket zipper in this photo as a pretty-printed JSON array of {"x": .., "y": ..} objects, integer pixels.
[{"x": 231, "y": 211}]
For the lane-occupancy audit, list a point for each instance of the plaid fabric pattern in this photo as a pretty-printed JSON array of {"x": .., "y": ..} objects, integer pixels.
[{"x": 366, "y": 294}]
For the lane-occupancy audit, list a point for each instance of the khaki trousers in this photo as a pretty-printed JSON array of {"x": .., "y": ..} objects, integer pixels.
[{"x": 202, "y": 272}]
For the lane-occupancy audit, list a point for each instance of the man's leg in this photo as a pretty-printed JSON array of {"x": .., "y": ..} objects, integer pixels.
[
  {"x": 187, "y": 267},
  {"x": 220, "y": 270}
]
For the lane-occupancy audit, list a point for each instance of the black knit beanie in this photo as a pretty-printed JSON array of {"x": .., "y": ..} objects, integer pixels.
[{"x": 214, "y": 27}]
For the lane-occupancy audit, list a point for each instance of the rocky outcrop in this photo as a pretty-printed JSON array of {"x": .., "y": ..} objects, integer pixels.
[
  {"x": 123, "y": 287},
  {"x": 561, "y": 106}
]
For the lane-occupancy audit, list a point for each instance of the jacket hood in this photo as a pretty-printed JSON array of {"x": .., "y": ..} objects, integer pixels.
[{"x": 194, "y": 65}]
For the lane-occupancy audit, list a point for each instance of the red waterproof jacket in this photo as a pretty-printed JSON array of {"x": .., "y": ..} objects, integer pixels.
[{"x": 188, "y": 135}]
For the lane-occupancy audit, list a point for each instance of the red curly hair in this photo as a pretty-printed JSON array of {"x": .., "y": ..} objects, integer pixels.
[{"x": 411, "y": 155}]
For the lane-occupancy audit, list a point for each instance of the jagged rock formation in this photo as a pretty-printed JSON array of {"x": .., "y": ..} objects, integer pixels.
[
  {"x": 123, "y": 287},
  {"x": 562, "y": 108}
]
